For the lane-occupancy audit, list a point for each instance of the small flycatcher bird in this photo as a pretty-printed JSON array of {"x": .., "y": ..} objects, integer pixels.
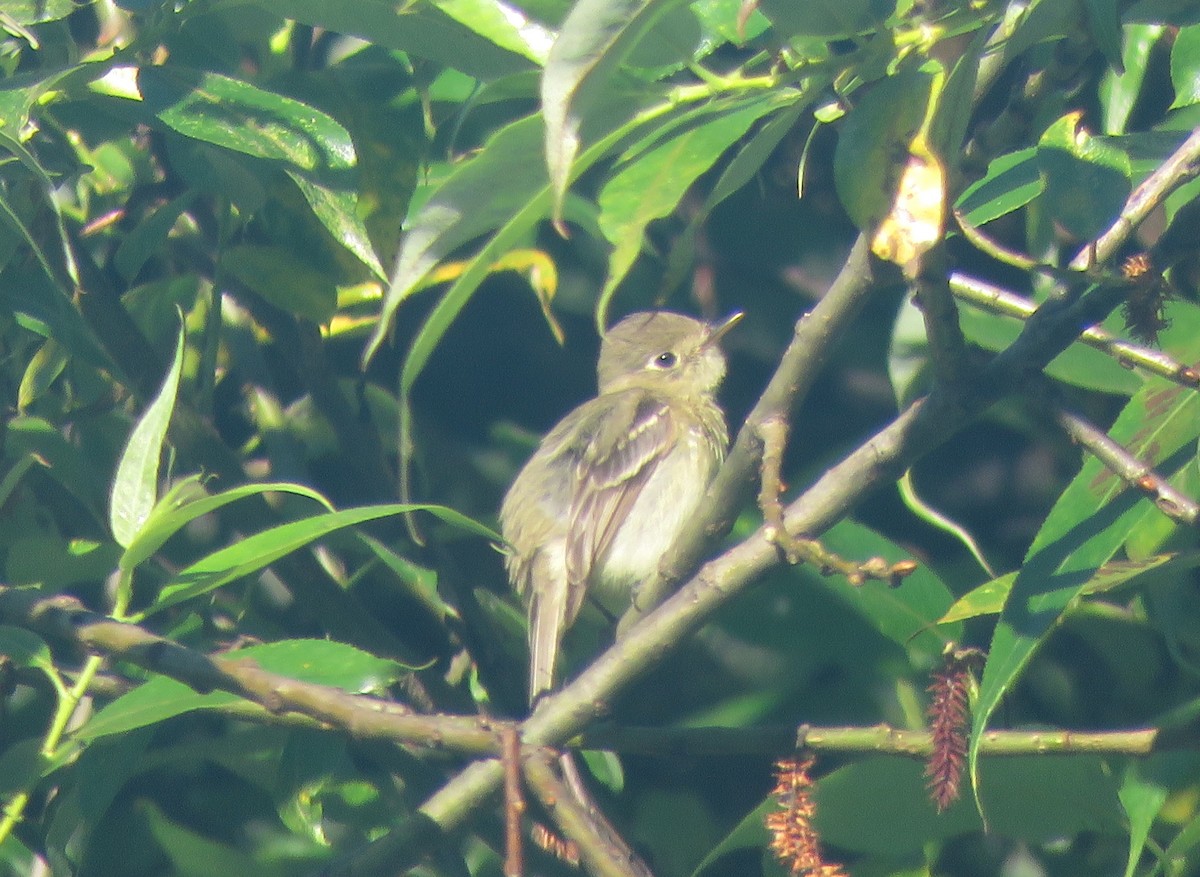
[{"x": 611, "y": 486}]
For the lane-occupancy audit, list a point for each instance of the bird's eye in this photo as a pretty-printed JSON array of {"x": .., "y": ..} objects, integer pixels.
[{"x": 666, "y": 359}]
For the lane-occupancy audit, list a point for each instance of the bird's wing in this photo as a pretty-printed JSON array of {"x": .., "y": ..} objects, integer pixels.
[{"x": 615, "y": 460}]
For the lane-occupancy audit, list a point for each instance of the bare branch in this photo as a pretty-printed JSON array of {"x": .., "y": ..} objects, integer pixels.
[
  {"x": 1138, "y": 475},
  {"x": 514, "y": 803},
  {"x": 997, "y": 300},
  {"x": 1183, "y": 164},
  {"x": 64, "y": 618},
  {"x": 605, "y": 854}
]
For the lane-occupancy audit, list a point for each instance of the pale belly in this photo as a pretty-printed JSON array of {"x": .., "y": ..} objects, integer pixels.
[{"x": 666, "y": 504}]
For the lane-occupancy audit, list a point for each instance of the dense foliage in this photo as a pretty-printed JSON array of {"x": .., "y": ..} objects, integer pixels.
[{"x": 289, "y": 289}]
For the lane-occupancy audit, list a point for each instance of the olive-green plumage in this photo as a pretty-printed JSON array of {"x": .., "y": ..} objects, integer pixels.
[{"x": 611, "y": 486}]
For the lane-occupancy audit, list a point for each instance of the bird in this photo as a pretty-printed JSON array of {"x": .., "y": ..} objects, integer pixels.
[{"x": 611, "y": 486}]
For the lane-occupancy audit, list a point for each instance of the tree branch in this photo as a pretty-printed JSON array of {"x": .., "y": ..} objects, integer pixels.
[
  {"x": 925, "y": 425},
  {"x": 64, "y": 618},
  {"x": 997, "y": 300}
]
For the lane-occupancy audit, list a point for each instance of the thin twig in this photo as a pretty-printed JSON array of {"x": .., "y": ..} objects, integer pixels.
[
  {"x": 64, "y": 618},
  {"x": 795, "y": 549},
  {"x": 514, "y": 803},
  {"x": 1183, "y": 164},
  {"x": 997, "y": 300},
  {"x": 947, "y": 345},
  {"x": 602, "y": 851},
  {"x": 773, "y": 433},
  {"x": 1118, "y": 460}
]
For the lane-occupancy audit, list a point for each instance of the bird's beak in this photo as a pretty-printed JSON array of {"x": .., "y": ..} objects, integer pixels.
[{"x": 718, "y": 330}]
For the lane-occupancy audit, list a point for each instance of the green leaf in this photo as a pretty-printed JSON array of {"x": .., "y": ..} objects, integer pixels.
[
  {"x": 149, "y": 236},
  {"x": 990, "y": 597},
  {"x": 1142, "y": 800},
  {"x": 418, "y": 582},
  {"x": 260, "y": 550},
  {"x": 13, "y": 476},
  {"x": 501, "y": 26},
  {"x": 191, "y": 853},
  {"x": 421, "y": 29},
  {"x": 1119, "y": 92},
  {"x": 176, "y": 510},
  {"x": 907, "y": 615},
  {"x": 29, "y": 12},
  {"x": 283, "y": 279},
  {"x": 595, "y": 38},
  {"x": 877, "y": 131},
  {"x": 25, "y": 649},
  {"x": 135, "y": 488},
  {"x": 1086, "y": 527},
  {"x": 336, "y": 206},
  {"x": 935, "y": 518},
  {"x": 824, "y": 18},
  {"x": 1043, "y": 21},
  {"x": 70, "y": 468},
  {"x": 243, "y": 117},
  {"x": 43, "y": 370},
  {"x": 56, "y": 563},
  {"x": 1086, "y": 179},
  {"x": 317, "y": 661},
  {"x": 1185, "y": 66},
  {"x": 22, "y": 764},
  {"x": 1104, "y": 24},
  {"x": 316, "y": 150},
  {"x": 41, "y": 302},
  {"x": 504, "y": 179},
  {"x": 649, "y": 186},
  {"x": 1011, "y": 182}
]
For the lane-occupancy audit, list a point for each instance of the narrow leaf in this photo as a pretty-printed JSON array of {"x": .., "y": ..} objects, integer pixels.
[
  {"x": 650, "y": 186},
  {"x": 316, "y": 661},
  {"x": 1083, "y": 531},
  {"x": 596, "y": 36},
  {"x": 489, "y": 190},
  {"x": 317, "y": 151},
  {"x": 169, "y": 517},
  {"x": 135, "y": 488},
  {"x": 260, "y": 550},
  {"x": 1011, "y": 182},
  {"x": 1142, "y": 799}
]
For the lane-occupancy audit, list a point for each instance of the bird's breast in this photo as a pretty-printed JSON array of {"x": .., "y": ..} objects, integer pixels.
[{"x": 671, "y": 495}]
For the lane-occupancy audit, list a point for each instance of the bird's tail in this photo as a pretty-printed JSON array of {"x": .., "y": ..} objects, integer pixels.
[{"x": 547, "y": 618}]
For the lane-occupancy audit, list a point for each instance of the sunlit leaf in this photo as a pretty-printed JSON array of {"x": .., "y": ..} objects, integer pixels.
[
  {"x": 254, "y": 552},
  {"x": 595, "y": 38},
  {"x": 1011, "y": 182},
  {"x": 320, "y": 662},
  {"x": 422, "y": 29},
  {"x": 135, "y": 487},
  {"x": 1083, "y": 531},
  {"x": 880, "y": 128},
  {"x": 1086, "y": 180},
  {"x": 169, "y": 515},
  {"x": 315, "y": 149},
  {"x": 650, "y": 185},
  {"x": 1185, "y": 62}
]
